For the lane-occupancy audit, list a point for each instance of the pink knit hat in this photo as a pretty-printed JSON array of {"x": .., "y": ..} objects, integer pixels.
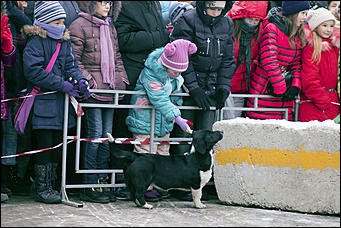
[{"x": 175, "y": 54}]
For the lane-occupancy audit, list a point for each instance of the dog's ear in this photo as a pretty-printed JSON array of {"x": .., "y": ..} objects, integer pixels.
[{"x": 199, "y": 142}]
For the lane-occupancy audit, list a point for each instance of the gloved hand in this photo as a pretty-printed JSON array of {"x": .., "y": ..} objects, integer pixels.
[
  {"x": 183, "y": 124},
  {"x": 6, "y": 35},
  {"x": 68, "y": 88},
  {"x": 291, "y": 93},
  {"x": 84, "y": 88},
  {"x": 200, "y": 98},
  {"x": 221, "y": 95}
]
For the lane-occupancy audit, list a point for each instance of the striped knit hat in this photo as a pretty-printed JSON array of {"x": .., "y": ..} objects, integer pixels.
[
  {"x": 48, "y": 11},
  {"x": 175, "y": 54}
]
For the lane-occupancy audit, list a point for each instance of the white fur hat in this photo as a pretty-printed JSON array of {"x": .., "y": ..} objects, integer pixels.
[{"x": 318, "y": 16}]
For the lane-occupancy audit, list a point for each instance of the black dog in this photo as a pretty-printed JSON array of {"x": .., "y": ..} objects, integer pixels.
[{"x": 185, "y": 172}]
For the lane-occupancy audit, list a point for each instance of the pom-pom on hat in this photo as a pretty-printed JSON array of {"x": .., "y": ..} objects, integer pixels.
[
  {"x": 318, "y": 16},
  {"x": 292, "y": 7},
  {"x": 175, "y": 54},
  {"x": 48, "y": 11}
]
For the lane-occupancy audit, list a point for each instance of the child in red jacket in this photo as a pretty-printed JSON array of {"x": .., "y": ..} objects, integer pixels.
[{"x": 319, "y": 98}]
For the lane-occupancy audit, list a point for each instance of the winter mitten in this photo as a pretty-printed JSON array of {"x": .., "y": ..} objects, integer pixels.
[
  {"x": 6, "y": 35},
  {"x": 84, "y": 88},
  {"x": 68, "y": 88},
  {"x": 221, "y": 96},
  {"x": 183, "y": 123},
  {"x": 200, "y": 98},
  {"x": 291, "y": 93}
]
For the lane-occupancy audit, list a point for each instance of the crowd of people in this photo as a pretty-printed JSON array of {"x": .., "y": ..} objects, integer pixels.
[{"x": 208, "y": 49}]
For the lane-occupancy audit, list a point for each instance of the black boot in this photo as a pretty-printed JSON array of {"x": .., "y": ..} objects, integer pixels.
[
  {"x": 94, "y": 195},
  {"x": 107, "y": 191},
  {"x": 55, "y": 180},
  {"x": 19, "y": 186},
  {"x": 5, "y": 180},
  {"x": 44, "y": 191}
]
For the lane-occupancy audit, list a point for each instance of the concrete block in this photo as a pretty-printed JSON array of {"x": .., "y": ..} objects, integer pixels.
[{"x": 292, "y": 166}]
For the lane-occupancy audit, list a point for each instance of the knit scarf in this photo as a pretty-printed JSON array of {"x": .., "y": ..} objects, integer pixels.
[
  {"x": 107, "y": 50},
  {"x": 54, "y": 32},
  {"x": 245, "y": 50}
]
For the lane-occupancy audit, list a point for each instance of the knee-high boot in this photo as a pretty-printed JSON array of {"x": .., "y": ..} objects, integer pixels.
[
  {"x": 55, "y": 178},
  {"x": 44, "y": 191}
]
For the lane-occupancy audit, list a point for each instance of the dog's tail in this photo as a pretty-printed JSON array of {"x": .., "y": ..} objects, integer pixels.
[{"x": 119, "y": 153}]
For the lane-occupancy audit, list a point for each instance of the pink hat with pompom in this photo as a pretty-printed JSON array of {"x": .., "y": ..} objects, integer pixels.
[{"x": 175, "y": 54}]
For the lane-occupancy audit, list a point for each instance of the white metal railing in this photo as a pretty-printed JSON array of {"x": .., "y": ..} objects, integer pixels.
[{"x": 115, "y": 104}]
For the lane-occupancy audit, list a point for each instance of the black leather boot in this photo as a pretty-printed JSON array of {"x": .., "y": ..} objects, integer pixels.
[{"x": 44, "y": 191}]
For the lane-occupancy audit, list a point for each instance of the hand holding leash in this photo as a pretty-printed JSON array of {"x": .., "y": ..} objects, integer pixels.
[{"x": 183, "y": 124}]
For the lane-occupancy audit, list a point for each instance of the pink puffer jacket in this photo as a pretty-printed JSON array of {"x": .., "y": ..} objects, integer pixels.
[{"x": 275, "y": 52}]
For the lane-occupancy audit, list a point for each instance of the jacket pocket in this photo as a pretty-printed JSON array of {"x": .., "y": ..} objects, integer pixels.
[
  {"x": 46, "y": 106},
  {"x": 222, "y": 43},
  {"x": 203, "y": 44}
]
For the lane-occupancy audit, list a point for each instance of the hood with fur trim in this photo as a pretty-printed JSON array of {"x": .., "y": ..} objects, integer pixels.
[
  {"x": 31, "y": 30},
  {"x": 90, "y": 8},
  {"x": 326, "y": 46}
]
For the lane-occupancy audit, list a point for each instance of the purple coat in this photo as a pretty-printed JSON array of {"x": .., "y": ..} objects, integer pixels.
[{"x": 7, "y": 62}]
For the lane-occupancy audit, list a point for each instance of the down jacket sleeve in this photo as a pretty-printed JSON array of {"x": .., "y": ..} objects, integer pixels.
[
  {"x": 158, "y": 96},
  {"x": 135, "y": 34},
  {"x": 269, "y": 58},
  {"x": 71, "y": 64},
  {"x": 119, "y": 67},
  {"x": 34, "y": 60},
  {"x": 78, "y": 39}
]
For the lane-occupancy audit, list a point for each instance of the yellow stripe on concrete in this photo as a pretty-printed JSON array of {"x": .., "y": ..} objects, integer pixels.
[{"x": 279, "y": 158}]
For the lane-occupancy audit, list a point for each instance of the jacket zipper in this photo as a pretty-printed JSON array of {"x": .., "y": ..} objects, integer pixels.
[
  {"x": 208, "y": 45},
  {"x": 218, "y": 47}
]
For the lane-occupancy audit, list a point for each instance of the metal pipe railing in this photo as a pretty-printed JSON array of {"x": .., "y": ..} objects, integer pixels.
[{"x": 153, "y": 140}]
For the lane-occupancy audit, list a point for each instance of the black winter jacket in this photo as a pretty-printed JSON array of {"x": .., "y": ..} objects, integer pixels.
[
  {"x": 212, "y": 66},
  {"x": 140, "y": 30}
]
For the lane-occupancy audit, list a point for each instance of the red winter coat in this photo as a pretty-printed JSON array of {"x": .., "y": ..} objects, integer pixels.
[
  {"x": 274, "y": 51},
  {"x": 242, "y": 9},
  {"x": 316, "y": 78}
]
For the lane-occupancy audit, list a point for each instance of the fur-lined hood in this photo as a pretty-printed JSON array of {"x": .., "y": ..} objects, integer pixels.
[
  {"x": 90, "y": 8},
  {"x": 31, "y": 30},
  {"x": 326, "y": 46}
]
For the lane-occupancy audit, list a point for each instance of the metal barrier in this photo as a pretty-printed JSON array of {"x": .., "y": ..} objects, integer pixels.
[{"x": 153, "y": 140}]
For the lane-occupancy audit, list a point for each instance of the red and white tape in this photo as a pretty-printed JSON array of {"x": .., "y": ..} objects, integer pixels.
[
  {"x": 74, "y": 102},
  {"x": 17, "y": 98},
  {"x": 145, "y": 141}
]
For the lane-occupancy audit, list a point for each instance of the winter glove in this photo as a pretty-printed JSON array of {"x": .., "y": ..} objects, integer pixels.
[
  {"x": 84, "y": 88},
  {"x": 68, "y": 88},
  {"x": 183, "y": 123},
  {"x": 6, "y": 35},
  {"x": 291, "y": 93},
  {"x": 200, "y": 98},
  {"x": 221, "y": 95}
]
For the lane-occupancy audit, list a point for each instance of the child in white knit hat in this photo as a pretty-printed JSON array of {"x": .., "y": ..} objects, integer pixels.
[{"x": 319, "y": 68}]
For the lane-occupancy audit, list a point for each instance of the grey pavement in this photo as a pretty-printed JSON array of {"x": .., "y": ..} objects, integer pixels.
[{"x": 20, "y": 211}]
